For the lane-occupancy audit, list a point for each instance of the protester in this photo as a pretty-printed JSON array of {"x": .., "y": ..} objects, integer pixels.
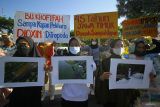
[
  {"x": 140, "y": 53},
  {"x": 75, "y": 95},
  {"x": 9, "y": 47},
  {"x": 95, "y": 51},
  {"x": 4, "y": 92},
  {"x": 65, "y": 52},
  {"x": 115, "y": 97},
  {"x": 26, "y": 96}
]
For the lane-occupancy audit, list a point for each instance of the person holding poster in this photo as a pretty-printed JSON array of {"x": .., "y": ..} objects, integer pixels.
[
  {"x": 26, "y": 96},
  {"x": 4, "y": 92},
  {"x": 75, "y": 95},
  {"x": 116, "y": 97},
  {"x": 140, "y": 53}
]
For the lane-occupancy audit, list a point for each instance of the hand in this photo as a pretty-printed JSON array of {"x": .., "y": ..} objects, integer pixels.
[
  {"x": 47, "y": 67},
  {"x": 105, "y": 76},
  {"x": 2, "y": 53},
  {"x": 3, "y": 96}
]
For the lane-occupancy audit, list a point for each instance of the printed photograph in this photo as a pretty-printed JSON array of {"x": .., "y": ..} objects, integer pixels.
[
  {"x": 21, "y": 72},
  {"x": 130, "y": 73},
  {"x": 72, "y": 69}
]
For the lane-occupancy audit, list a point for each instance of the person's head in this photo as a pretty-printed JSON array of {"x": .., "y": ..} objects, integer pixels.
[
  {"x": 94, "y": 43},
  {"x": 117, "y": 46},
  {"x": 140, "y": 48},
  {"x": 74, "y": 46},
  {"x": 6, "y": 39},
  {"x": 26, "y": 47}
]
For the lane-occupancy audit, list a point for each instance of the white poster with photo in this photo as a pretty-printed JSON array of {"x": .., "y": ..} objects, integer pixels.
[
  {"x": 72, "y": 69},
  {"x": 21, "y": 71},
  {"x": 42, "y": 27},
  {"x": 130, "y": 74}
]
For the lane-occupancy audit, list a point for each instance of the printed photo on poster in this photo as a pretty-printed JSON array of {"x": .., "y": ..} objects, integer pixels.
[
  {"x": 21, "y": 72},
  {"x": 72, "y": 69},
  {"x": 130, "y": 74}
]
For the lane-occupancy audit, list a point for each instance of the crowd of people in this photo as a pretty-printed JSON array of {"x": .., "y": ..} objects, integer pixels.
[{"x": 76, "y": 95}]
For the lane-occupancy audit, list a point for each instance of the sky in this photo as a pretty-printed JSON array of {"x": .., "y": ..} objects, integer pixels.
[{"x": 60, "y": 7}]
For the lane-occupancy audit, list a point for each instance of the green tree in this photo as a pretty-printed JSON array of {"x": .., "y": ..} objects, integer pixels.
[
  {"x": 72, "y": 33},
  {"x": 6, "y": 23},
  {"x": 138, "y": 8}
]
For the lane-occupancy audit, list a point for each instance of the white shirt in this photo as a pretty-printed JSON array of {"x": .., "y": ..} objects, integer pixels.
[
  {"x": 132, "y": 56},
  {"x": 76, "y": 92}
]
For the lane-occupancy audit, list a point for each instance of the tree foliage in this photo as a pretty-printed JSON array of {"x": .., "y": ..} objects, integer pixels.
[
  {"x": 6, "y": 23},
  {"x": 138, "y": 8}
]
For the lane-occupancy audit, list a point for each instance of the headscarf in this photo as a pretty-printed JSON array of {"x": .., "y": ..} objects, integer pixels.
[
  {"x": 94, "y": 46},
  {"x": 141, "y": 53},
  {"x": 155, "y": 49},
  {"x": 33, "y": 49},
  {"x": 112, "y": 44},
  {"x": 73, "y": 38}
]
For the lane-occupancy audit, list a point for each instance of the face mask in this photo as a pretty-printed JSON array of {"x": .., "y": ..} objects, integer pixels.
[
  {"x": 118, "y": 51},
  {"x": 94, "y": 43},
  {"x": 74, "y": 50},
  {"x": 23, "y": 50}
]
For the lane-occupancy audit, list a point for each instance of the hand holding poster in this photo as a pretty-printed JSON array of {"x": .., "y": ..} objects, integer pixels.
[
  {"x": 98, "y": 25},
  {"x": 42, "y": 27},
  {"x": 130, "y": 74}
]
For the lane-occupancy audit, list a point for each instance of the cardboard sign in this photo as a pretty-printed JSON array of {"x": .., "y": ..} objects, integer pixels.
[
  {"x": 137, "y": 28},
  {"x": 42, "y": 27},
  {"x": 98, "y": 25}
]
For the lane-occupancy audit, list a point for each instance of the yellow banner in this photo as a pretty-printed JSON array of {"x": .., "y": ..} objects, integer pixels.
[
  {"x": 98, "y": 25},
  {"x": 140, "y": 27}
]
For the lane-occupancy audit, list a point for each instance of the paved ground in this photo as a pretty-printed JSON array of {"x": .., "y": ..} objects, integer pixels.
[{"x": 56, "y": 102}]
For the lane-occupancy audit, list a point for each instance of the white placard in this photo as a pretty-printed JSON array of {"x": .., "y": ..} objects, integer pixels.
[
  {"x": 42, "y": 27},
  {"x": 21, "y": 71},
  {"x": 130, "y": 74},
  {"x": 72, "y": 69}
]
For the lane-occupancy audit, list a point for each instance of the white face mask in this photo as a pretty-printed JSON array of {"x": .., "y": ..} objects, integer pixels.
[
  {"x": 118, "y": 51},
  {"x": 94, "y": 43},
  {"x": 74, "y": 50}
]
